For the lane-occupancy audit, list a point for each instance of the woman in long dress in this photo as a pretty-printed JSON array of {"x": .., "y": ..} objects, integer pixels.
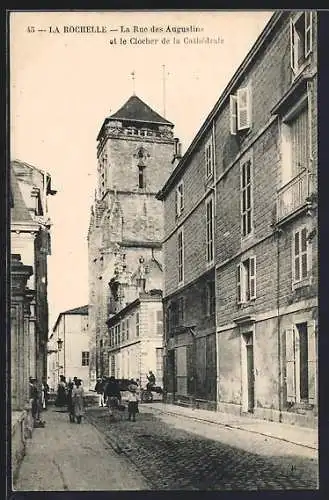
[
  {"x": 77, "y": 400},
  {"x": 61, "y": 392}
]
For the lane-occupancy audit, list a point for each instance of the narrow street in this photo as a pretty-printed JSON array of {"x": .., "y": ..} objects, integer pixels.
[{"x": 161, "y": 451}]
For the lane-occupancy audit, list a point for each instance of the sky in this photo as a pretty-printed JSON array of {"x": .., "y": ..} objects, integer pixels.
[{"x": 63, "y": 84}]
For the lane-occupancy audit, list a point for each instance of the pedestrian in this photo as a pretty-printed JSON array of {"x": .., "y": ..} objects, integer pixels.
[
  {"x": 113, "y": 395},
  {"x": 61, "y": 399},
  {"x": 70, "y": 407},
  {"x": 151, "y": 381},
  {"x": 45, "y": 394},
  {"x": 99, "y": 388},
  {"x": 34, "y": 399},
  {"x": 77, "y": 399},
  {"x": 132, "y": 403}
]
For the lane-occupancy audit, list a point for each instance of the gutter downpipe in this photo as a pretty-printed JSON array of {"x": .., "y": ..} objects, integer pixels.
[
  {"x": 277, "y": 232},
  {"x": 215, "y": 247}
]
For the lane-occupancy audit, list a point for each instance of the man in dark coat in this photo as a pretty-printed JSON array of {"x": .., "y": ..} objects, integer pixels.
[
  {"x": 99, "y": 389},
  {"x": 112, "y": 394},
  {"x": 151, "y": 381}
]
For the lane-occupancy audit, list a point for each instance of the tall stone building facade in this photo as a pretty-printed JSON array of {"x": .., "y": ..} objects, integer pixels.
[
  {"x": 136, "y": 154},
  {"x": 241, "y": 226}
]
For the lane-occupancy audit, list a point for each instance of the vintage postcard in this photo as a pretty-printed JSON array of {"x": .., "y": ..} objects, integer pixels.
[{"x": 163, "y": 241}]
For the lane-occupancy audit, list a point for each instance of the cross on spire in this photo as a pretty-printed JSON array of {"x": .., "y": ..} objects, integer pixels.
[{"x": 133, "y": 75}]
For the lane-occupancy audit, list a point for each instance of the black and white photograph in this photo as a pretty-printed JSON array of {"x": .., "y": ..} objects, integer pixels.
[{"x": 163, "y": 192}]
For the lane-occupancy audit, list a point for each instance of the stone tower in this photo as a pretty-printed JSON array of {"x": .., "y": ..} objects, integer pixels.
[{"x": 136, "y": 152}]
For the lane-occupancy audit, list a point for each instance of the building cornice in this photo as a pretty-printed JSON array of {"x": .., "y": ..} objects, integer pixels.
[{"x": 24, "y": 227}]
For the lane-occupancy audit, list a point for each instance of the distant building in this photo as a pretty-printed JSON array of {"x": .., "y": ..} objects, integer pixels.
[
  {"x": 240, "y": 239},
  {"x": 136, "y": 339},
  {"x": 69, "y": 347},
  {"x": 136, "y": 150}
]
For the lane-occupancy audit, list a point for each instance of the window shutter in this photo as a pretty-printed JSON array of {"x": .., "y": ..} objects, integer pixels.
[
  {"x": 293, "y": 42},
  {"x": 312, "y": 371},
  {"x": 252, "y": 277},
  {"x": 290, "y": 365},
  {"x": 308, "y": 33},
  {"x": 239, "y": 284},
  {"x": 296, "y": 256},
  {"x": 244, "y": 108},
  {"x": 233, "y": 114}
]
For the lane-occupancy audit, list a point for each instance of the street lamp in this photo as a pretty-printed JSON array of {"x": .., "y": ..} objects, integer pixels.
[{"x": 60, "y": 344}]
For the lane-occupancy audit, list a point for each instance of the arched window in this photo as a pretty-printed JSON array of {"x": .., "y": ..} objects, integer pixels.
[{"x": 141, "y": 180}]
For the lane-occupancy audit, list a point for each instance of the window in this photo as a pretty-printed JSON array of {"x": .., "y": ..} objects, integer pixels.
[
  {"x": 300, "y": 40},
  {"x": 209, "y": 158},
  {"x": 240, "y": 110},
  {"x": 137, "y": 324},
  {"x": 123, "y": 331},
  {"x": 210, "y": 298},
  {"x": 112, "y": 366},
  {"x": 119, "y": 333},
  {"x": 180, "y": 256},
  {"x": 85, "y": 358},
  {"x": 116, "y": 335},
  {"x": 179, "y": 199},
  {"x": 301, "y": 360},
  {"x": 210, "y": 230},
  {"x": 141, "y": 183},
  {"x": 295, "y": 137},
  {"x": 180, "y": 314},
  {"x": 246, "y": 280},
  {"x": 300, "y": 255},
  {"x": 127, "y": 328},
  {"x": 246, "y": 198}
]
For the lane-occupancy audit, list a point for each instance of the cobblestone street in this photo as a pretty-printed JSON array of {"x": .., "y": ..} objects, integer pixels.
[{"x": 179, "y": 453}]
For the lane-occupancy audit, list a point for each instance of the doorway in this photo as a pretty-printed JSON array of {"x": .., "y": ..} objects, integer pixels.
[{"x": 248, "y": 380}]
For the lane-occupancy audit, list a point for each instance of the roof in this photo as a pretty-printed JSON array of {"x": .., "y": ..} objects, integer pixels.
[
  {"x": 137, "y": 110},
  {"x": 247, "y": 62},
  {"x": 77, "y": 310},
  {"x": 19, "y": 165},
  {"x": 19, "y": 210},
  {"x": 83, "y": 310}
]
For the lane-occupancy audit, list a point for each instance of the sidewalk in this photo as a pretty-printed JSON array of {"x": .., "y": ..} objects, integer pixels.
[
  {"x": 63, "y": 456},
  {"x": 292, "y": 434}
]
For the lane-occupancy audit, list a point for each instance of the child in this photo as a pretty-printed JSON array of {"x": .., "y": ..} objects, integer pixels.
[{"x": 132, "y": 403}]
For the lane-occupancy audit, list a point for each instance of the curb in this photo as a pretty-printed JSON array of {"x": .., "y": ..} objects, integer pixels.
[
  {"x": 115, "y": 445},
  {"x": 232, "y": 426}
]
